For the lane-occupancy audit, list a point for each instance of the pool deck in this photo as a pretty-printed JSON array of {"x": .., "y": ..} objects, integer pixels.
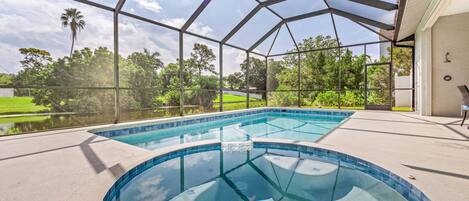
[{"x": 74, "y": 164}]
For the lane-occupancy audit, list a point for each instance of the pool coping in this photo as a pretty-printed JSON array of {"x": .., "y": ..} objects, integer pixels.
[{"x": 368, "y": 167}]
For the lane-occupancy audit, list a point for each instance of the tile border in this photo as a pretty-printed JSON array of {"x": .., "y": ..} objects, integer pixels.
[
  {"x": 194, "y": 119},
  {"x": 399, "y": 184}
]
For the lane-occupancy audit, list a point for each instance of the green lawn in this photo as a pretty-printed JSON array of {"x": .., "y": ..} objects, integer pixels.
[
  {"x": 242, "y": 105},
  {"x": 402, "y": 109},
  {"x": 398, "y": 109},
  {"x": 23, "y": 119},
  {"x": 232, "y": 98},
  {"x": 15, "y": 105}
]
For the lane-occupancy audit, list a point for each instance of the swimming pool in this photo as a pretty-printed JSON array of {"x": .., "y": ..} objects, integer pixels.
[
  {"x": 292, "y": 124},
  {"x": 269, "y": 171}
]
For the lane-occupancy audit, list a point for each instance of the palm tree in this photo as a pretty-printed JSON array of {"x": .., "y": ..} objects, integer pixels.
[{"x": 74, "y": 19}]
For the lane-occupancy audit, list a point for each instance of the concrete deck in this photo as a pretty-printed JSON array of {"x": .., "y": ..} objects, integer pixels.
[{"x": 76, "y": 165}]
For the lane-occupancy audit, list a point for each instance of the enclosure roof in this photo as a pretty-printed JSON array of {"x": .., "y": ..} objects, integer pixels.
[{"x": 268, "y": 27}]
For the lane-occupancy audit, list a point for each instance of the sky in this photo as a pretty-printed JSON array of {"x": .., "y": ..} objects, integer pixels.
[{"x": 37, "y": 24}]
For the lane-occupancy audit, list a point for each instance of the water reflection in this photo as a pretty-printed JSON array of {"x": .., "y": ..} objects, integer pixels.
[
  {"x": 264, "y": 125},
  {"x": 24, "y": 124},
  {"x": 259, "y": 174}
]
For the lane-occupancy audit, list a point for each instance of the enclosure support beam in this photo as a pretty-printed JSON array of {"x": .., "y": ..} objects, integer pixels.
[
  {"x": 333, "y": 23},
  {"x": 400, "y": 15},
  {"x": 195, "y": 15},
  {"x": 413, "y": 78},
  {"x": 376, "y": 32},
  {"x": 366, "y": 77},
  {"x": 116, "y": 70},
  {"x": 273, "y": 42},
  {"x": 293, "y": 38},
  {"x": 361, "y": 19},
  {"x": 328, "y": 48},
  {"x": 272, "y": 11},
  {"x": 97, "y": 5},
  {"x": 307, "y": 15},
  {"x": 339, "y": 85},
  {"x": 377, "y": 4},
  {"x": 335, "y": 30},
  {"x": 391, "y": 84},
  {"x": 290, "y": 19},
  {"x": 181, "y": 74},
  {"x": 299, "y": 80},
  {"x": 118, "y": 7},
  {"x": 248, "y": 66},
  {"x": 248, "y": 17},
  {"x": 266, "y": 81},
  {"x": 177, "y": 29},
  {"x": 263, "y": 38},
  {"x": 220, "y": 56}
]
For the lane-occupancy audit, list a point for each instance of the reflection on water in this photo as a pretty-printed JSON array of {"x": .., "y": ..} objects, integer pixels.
[
  {"x": 259, "y": 174},
  {"x": 298, "y": 127},
  {"x": 38, "y": 123}
]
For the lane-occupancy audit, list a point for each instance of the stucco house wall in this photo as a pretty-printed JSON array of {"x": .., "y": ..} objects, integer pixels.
[{"x": 449, "y": 34}]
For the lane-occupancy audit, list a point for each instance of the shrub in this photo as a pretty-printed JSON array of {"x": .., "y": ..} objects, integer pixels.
[{"x": 328, "y": 98}]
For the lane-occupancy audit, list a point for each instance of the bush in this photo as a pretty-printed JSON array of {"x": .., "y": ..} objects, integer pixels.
[
  {"x": 328, "y": 98},
  {"x": 283, "y": 99},
  {"x": 352, "y": 99}
]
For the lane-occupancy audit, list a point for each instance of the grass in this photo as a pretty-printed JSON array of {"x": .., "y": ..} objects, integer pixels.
[
  {"x": 336, "y": 107},
  {"x": 402, "y": 109},
  {"x": 396, "y": 109},
  {"x": 232, "y": 98},
  {"x": 242, "y": 105},
  {"x": 15, "y": 105},
  {"x": 23, "y": 119}
]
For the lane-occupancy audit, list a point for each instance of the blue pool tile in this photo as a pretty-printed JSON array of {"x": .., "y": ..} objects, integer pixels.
[{"x": 401, "y": 186}]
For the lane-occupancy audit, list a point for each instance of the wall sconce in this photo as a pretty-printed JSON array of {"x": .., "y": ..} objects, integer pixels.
[{"x": 447, "y": 58}]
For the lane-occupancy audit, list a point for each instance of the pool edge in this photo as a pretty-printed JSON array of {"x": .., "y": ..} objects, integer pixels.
[{"x": 173, "y": 151}]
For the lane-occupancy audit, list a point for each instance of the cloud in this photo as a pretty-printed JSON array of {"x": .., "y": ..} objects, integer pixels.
[
  {"x": 195, "y": 27},
  {"x": 136, "y": 36},
  {"x": 175, "y": 22},
  {"x": 150, "y": 5},
  {"x": 37, "y": 24}
]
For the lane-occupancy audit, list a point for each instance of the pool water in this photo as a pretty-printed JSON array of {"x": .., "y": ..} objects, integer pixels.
[
  {"x": 301, "y": 127},
  {"x": 266, "y": 174}
]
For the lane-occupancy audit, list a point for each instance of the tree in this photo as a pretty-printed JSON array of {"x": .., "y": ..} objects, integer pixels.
[
  {"x": 34, "y": 67},
  {"x": 257, "y": 72},
  {"x": 352, "y": 70},
  {"x": 275, "y": 68},
  {"x": 6, "y": 79},
  {"x": 235, "y": 80},
  {"x": 201, "y": 59},
  {"x": 75, "y": 20},
  {"x": 402, "y": 60},
  {"x": 142, "y": 77},
  {"x": 147, "y": 60}
]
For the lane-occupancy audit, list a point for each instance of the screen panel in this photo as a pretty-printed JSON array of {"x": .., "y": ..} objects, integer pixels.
[
  {"x": 291, "y": 8},
  {"x": 220, "y": 17},
  {"x": 380, "y": 15},
  {"x": 165, "y": 11},
  {"x": 351, "y": 33},
  {"x": 254, "y": 29},
  {"x": 234, "y": 79},
  {"x": 314, "y": 33}
]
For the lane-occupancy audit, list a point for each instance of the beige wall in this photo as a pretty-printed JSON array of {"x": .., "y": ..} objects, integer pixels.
[{"x": 449, "y": 34}]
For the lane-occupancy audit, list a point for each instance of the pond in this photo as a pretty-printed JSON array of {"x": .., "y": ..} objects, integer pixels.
[{"x": 24, "y": 124}]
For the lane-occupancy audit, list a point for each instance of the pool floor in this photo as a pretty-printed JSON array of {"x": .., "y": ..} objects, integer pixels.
[{"x": 301, "y": 127}]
